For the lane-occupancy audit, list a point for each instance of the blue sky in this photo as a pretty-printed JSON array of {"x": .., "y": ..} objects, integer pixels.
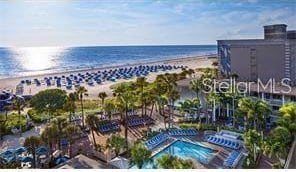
[{"x": 138, "y": 22}]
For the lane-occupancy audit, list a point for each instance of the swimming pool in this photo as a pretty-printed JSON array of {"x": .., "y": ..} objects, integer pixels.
[{"x": 184, "y": 150}]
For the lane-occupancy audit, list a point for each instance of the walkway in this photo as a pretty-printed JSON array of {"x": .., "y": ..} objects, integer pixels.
[{"x": 13, "y": 141}]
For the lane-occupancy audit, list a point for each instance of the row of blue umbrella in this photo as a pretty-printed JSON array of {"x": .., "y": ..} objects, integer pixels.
[
  {"x": 11, "y": 155},
  {"x": 100, "y": 76}
]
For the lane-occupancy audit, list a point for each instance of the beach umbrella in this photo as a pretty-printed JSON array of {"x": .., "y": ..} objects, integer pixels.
[
  {"x": 20, "y": 150},
  {"x": 61, "y": 160},
  {"x": 7, "y": 153},
  {"x": 42, "y": 150},
  {"x": 10, "y": 158},
  {"x": 27, "y": 159}
]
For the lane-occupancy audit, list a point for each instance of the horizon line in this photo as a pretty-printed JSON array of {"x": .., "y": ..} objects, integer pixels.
[{"x": 128, "y": 45}]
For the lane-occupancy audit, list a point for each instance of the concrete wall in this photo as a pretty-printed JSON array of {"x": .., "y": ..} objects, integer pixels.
[
  {"x": 240, "y": 62},
  {"x": 293, "y": 59},
  {"x": 271, "y": 62}
]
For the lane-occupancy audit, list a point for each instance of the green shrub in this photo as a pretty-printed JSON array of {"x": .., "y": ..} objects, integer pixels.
[
  {"x": 89, "y": 105},
  {"x": 188, "y": 125},
  {"x": 13, "y": 120},
  {"x": 209, "y": 127},
  {"x": 36, "y": 117}
]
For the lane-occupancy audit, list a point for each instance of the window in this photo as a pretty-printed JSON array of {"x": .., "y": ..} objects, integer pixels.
[{"x": 275, "y": 108}]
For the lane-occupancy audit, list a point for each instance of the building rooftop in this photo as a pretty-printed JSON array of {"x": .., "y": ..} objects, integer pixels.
[
  {"x": 276, "y": 33},
  {"x": 252, "y": 41},
  {"x": 276, "y": 25},
  {"x": 83, "y": 162}
]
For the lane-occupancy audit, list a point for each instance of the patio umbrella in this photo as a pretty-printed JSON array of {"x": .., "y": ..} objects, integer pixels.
[
  {"x": 10, "y": 158},
  {"x": 42, "y": 150},
  {"x": 8, "y": 152},
  {"x": 20, "y": 150},
  {"x": 61, "y": 160},
  {"x": 27, "y": 159}
]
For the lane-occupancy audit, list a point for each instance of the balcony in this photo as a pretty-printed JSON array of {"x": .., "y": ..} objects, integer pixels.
[{"x": 275, "y": 102}]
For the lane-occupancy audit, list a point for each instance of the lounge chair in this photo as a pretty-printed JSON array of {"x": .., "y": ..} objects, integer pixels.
[
  {"x": 224, "y": 142},
  {"x": 232, "y": 160}
]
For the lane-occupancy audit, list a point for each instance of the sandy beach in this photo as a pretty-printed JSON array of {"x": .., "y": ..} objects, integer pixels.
[{"x": 191, "y": 62}]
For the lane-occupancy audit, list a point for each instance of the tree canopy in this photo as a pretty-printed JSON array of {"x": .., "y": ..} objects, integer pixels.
[
  {"x": 140, "y": 154},
  {"x": 116, "y": 142},
  {"x": 173, "y": 162},
  {"x": 49, "y": 100}
]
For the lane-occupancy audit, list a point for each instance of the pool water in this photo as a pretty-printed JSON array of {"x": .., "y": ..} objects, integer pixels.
[{"x": 184, "y": 150}]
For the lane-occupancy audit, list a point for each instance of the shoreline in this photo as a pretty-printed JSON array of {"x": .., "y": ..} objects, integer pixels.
[
  {"x": 165, "y": 61},
  {"x": 195, "y": 62}
]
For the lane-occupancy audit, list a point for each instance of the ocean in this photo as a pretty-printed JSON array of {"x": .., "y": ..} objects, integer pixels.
[{"x": 26, "y": 61}]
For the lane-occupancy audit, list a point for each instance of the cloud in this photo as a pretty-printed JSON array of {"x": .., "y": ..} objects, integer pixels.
[{"x": 139, "y": 22}]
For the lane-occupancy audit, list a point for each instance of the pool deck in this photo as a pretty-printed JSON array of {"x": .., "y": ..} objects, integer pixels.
[{"x": 215, "y": 163}]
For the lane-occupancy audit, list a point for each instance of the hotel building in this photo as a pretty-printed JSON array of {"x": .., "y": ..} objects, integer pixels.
[
  {"x": 271, "y": 57},
  {"x": 252, "y": 59}
]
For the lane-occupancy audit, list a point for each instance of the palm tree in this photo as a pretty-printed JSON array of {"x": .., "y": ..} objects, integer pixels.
[
  {"x": 18, "y": 105},
  {"x": 254, "y": 109},
  {"x": 170, "y": 84},
  {"x": 140, "y": 155},
  {"x": 185, "y": 106},
  {"x": 109, "y": 107},
  {"x": 91, "y": 121},
  {"x": 61, "y": 123},
  {"x": 173, "y": 95},
  {"x": 196, "y": 86},
  {"x": 287, "y": 123},
  {"x": 209, "y": 73},
  {"x": 161, "y": 102},
  {"x": 82, "y": 91},
  {"x": 140, "y": 84},
  {"x": 253, "y": 141},
  {"x": 288, "y": 112},
  {"x": 32, "y": 143},
  {"x": 278, "y": 143},
  {"x": 70, "y": 105},
  {"x": 288, "y": 118},
  {"x": 173, "y": 162},
  {"x": 102, "y": 96},
  {"x": 149, "y": 97},
  {"x": 188, "y": 105},
  {"x": 126, "y": 99},
  {"x": 234, "y": 96},
  {"x": 116, "y": 142},
  {"x": 214, "y": 99},
  {"x": 71, "y": 131},
  {"x": 50, "y": 136},
  {"x": 160, "y": 86}
]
